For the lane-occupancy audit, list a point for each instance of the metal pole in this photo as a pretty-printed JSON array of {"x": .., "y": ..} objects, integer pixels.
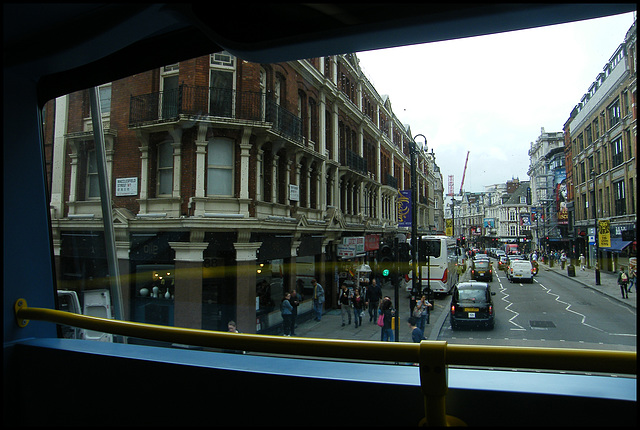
[
  {"x": 105, "y": 200},
  {"x": 595, "y": 220},
  {"x": 396, "y": 283}
]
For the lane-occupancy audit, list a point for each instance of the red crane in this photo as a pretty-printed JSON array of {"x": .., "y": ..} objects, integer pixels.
[{"x": 464, "y": 172}]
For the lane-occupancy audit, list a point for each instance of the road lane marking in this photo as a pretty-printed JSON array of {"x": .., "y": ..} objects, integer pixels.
[
  {"x": 568, "y": 308},
  {"x": 516, "y": 314}
]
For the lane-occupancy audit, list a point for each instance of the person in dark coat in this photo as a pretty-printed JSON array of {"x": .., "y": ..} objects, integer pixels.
[
  {"x": 295, "y": 299},
  {"x": 386, "y": 309},
  {"x": 417, "y": 335},
  {"x": 372, "y": 299}
]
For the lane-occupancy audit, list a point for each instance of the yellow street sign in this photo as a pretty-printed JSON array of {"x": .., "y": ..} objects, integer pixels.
[{"x": 604, "y": 234}]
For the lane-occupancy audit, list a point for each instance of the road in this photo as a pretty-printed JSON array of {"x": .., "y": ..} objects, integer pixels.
[{"x": 553, "y": 311}]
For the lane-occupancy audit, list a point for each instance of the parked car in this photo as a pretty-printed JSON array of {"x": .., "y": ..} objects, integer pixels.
[
  {"x": 472, "y": 306},
  {"x": 482, "y": 270},
  {"x": 520, "y": 270}
]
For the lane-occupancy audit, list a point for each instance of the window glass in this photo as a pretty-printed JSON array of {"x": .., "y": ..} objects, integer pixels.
[
  {"x": 165, "y": 168},
  {"x": 93, "y": 186},
  {"x": 224, "y": 213},
  {"x": 220, "y": 167}
]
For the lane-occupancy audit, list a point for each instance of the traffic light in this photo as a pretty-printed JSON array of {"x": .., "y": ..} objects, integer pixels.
[
  {"x": 404, "y": 252},
  {"x": 385, "y": 253},
  {"x": 404, "y": 258},
  {"x": 385, "y": 259}
]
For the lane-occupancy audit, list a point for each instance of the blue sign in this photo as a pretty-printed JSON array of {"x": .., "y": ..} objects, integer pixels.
[{"x": 404, "y": 208}]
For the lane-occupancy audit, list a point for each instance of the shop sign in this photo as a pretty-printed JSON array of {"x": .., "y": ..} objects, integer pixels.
[
  {"x": 357, "y": 241},
  {"x": 346, "y": 251},
  {"x": 371, "y": 242},
  {"x": 604, "y": 235}
]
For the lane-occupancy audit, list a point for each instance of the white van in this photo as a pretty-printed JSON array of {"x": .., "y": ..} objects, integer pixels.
[
  {"x": 68, "y": 301},
  {"x": 520, "y": 270},
  {"x": 97, "y": 303}
]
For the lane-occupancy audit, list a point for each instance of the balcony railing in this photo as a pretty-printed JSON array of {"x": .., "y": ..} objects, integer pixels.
[
  {"x": 391, "y": 181},
  {"x": 213, "y": 102},
  {"x": 357, "y": 163}
]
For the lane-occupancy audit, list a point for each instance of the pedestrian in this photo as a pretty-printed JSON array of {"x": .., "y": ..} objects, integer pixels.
[
  {"x": 233, "y": 328},
  {"x": 318, "y": 299},
  {"x": 286, "y": 310},
  {"x": 295, "y": 301},
  {"x": 421, "y": 312},
  {"x": 388, "y": 313},
  {"x": 372, "y": 299},
  {"x": 417, "y": 335},
  {"x": 563, "y": 258},
  {"x": 623, "y": 280},
  {"x": 357, "y": 303},
  {"x": 344, "y": 300},
  {"x": 582, "y": 262},
  {"x": 632, "y": 279}
]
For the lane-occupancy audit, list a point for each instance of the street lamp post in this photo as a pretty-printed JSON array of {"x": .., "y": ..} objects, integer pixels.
[
  {"x": 414, "y": 214},
  {"x": 595, "y": 221}
]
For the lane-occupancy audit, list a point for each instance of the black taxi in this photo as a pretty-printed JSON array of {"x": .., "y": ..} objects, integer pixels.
[{"x": 472, "y": 306}]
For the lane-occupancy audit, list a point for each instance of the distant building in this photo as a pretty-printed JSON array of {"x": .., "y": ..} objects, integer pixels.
[{"x": 547, "y": 176}]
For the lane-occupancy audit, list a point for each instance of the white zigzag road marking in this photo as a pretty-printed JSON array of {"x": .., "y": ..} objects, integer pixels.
[
  {"x": 504, "y": 299},
  {"x": 568, "y": 306}
]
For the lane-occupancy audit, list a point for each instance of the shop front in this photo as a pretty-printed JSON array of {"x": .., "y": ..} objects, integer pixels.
[{"x": 152, "y": 263}]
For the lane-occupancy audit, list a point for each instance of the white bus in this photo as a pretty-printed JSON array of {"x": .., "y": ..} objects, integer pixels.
[{"x": 441, "y": 273}]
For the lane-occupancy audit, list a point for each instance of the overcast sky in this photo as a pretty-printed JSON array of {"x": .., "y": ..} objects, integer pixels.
[{"x": 491, "y": 95}]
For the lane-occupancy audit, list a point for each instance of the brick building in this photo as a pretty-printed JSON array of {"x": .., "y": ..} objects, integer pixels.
[{"x": 231, "y": 182}]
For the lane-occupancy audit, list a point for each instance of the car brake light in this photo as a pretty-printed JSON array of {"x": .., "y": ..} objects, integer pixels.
[
  {"x": 490, "y": 309},
  {"x": 444, "y": 277},
  {"x": 453, "y": 309}
]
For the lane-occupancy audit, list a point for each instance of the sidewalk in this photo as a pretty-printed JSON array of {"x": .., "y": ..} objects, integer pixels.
[
  {"x": 331, "y": 325},
  {"x": 608, "y": 282}
]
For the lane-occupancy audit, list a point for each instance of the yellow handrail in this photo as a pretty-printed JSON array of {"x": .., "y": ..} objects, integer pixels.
[{"x": 432, "y": 356}]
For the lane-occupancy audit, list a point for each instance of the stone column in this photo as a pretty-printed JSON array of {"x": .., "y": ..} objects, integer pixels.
[
  {"x": 245, "y": 148},
  {"x": 246, "y": 257},
  {"x": 188, "y": 284}
]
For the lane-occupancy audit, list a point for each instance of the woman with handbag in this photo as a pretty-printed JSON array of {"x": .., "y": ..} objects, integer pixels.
[{"x": 387, "y": 313}]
